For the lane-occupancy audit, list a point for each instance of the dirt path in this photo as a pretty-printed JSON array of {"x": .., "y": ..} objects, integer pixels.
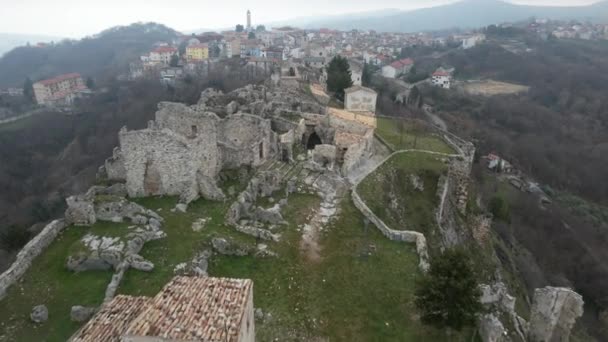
[{"x": 330, "y": 188}]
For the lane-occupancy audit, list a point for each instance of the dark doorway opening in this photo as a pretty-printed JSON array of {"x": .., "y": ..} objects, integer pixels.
[
  {"x": 313, "y": 140},
  {"x": 261, "y": 150}
]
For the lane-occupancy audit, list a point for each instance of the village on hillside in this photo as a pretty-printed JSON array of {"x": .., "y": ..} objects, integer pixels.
[{"x": 264, "y": 213}]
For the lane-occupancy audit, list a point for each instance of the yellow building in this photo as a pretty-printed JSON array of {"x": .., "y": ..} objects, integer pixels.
[{"x": 197, "y": 52}]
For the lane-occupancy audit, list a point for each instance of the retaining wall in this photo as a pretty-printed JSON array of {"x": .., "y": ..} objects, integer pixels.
[{"x": 27, "y": 255}]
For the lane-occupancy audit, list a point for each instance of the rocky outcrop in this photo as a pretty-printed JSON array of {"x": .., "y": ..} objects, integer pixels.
[
  {"x": 80, "y": 211},
  {"x": 553, "y": 314},
  {"x": 491, "y": 329}
]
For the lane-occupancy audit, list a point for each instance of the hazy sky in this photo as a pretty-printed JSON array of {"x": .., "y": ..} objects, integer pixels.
[{"x": 76, "y": 18}]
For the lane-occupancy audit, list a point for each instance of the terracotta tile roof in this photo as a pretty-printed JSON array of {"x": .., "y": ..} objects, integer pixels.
[
  {"x": 165, "y": 49},
  {"x": 110, "y": 323},
  {"x": 441, "y": 73},
  {"x": 195, "y": 308},
  {"x": 198, "y": 46},
  {"x": 59, "y": 78},
  {"x": 407, "y": 61}
]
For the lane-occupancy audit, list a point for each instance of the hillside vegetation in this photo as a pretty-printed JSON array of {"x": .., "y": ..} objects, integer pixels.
[{"x": 100, "y": 56}]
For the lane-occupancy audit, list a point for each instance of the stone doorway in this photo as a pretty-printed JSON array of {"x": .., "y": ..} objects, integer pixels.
[{"x": 313, "y": 140}]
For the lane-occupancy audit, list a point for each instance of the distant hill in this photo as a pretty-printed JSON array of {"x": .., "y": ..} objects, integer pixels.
[
  {"x": 100, "y": 55},
  {"x": 9, "y": 41},
  {"x": 463, "y": 14}
]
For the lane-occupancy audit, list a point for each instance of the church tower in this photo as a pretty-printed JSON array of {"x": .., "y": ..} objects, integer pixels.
[{"x": 248, "y": 20}]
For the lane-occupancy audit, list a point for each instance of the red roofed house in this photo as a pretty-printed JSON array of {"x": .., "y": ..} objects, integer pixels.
[
  {"x": 162, "y": 54},
  {"x": 202, "y": 309},
  {"x": 62, "y": 89},
  {"x": 441, "y": 78},
  {"x": 397, "y": 68}
]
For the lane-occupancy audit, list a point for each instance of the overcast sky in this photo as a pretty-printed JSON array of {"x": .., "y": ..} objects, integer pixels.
[{"x": 77, "y": 18}]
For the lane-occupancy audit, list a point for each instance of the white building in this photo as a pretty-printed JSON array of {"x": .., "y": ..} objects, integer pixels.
[
  {"x": 360, "y": 99},
  {"x": 162, "y": 55},
  {"x": 470, "y": 42},
  {"x": 441, "y": 79}
]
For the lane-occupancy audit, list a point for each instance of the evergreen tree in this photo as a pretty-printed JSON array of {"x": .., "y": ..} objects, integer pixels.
[
  {"x": 240, "y": 28},
  {"x": 28, "y": 90},
  {"x": 251, "y": 35},
  {"x": 90, "y": 83},
  {"x": 174, "y": 62},
  {"x": 366, "y": 78},
  {"x": 338, "y": 76},
  {"x": 448, "y": 296},
  {"x": 260, "y": 28}
]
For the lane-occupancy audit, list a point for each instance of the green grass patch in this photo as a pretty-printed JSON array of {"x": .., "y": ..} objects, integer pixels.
[
  {"x": 402, "y": 134},
  {"x": 48, "y": 282},
  {"x": 390, "y": 194},
  {"x": 360, "y": 290}
]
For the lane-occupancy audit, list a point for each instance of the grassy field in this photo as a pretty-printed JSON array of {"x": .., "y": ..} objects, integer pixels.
[
  {"x": 389, "y": 192},
  {"x": 360, "y": 290},
  {"x": 409, "y": 136}
]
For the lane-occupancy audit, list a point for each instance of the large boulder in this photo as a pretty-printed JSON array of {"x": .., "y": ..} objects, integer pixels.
[
  {"x": 553, "y": 314},
  {"x": 324, "y": 155},
  {"x": 40, "y": 314},
  {"x": 208, "y": 188},
  {"x": 81, "y": 313}
]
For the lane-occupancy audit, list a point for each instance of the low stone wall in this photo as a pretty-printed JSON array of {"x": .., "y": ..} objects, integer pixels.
[
  {"x": 27, "y": 255},
  {"x": 396, "y": 235}
]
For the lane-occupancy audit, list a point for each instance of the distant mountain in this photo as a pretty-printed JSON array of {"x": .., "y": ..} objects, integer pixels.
[
  {"x": 9, "y": 41},
  {"x": 463, "y": 14},
  {"x": 98, "y": 56}
]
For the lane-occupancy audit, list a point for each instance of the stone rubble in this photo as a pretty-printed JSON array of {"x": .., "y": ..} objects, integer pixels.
[
  {"x": 81, "y": 313},
  {"x": 40, "y": 314}
]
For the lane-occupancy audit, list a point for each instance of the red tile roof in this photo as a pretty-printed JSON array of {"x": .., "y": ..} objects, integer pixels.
[
  {"x": 59, "y": 78},
  {"x": 441, "y": 73},
  {"x": 165, "y": 49},
  {"x": 195, "y": 309},
  {"x": 407, "y": 61}
]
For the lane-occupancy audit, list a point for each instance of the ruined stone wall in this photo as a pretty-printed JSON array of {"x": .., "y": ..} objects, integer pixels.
[
  {"x": 246, "y": 140},
  {"x": 186, "y": 121},
  {"x": 360, "y": 101},
  {"x": 395, "y": 235},
  {"x": 115, "y": 166},
  {"x": 358, "y": 153},
  {"x": 160, "y": 162},
  {"x": 27, "y": 255},
  {"x": 348, "y": 126}
]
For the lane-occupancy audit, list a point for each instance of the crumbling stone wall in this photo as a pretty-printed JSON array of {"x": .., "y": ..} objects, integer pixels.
[
  {"x": 358, "y": 153},
  {"x": 246, "y": 140},
  {"x": 115, "y": 166},
  {"x": 29, "y": 252},
  {"x": 160, "y": 162}
]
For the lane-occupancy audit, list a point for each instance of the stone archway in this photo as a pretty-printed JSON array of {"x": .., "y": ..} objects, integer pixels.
[{"x": 313, "y": 140}]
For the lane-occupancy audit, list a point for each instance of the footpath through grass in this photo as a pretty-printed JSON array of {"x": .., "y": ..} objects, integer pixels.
[{"x": 403, "y": 134}]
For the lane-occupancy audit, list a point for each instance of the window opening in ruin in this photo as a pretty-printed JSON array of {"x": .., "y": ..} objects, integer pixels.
[
  {"x": 262, "y": 150},
  {"x": 194, "y": 130},
  {"x": 313, "y": 141},
  {"x": 285, "y": 155}
]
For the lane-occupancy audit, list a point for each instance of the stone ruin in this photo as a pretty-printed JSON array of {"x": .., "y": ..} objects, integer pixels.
[{"x": 183, "y": 150}]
